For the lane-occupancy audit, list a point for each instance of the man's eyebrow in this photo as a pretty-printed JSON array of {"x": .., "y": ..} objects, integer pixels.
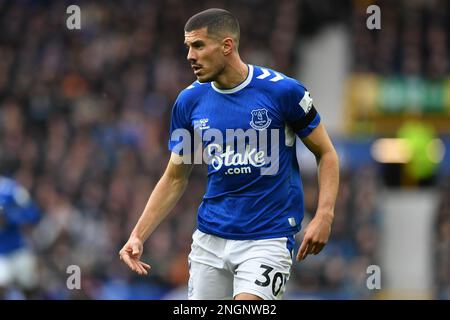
[{"x": 193, "y": 43}]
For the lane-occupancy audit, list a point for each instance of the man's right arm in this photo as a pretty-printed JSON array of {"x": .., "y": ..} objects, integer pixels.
[{"x": 166, "y": 194}]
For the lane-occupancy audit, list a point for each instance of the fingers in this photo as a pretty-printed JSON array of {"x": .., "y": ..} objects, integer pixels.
[
  {"x": 303, "y": 249},
  {"x": 318, "y": 247},
  {"x": 144, "y": 267},
  {"x": 133, "y": 263},
  {"x": 140, "y": 269},
  {"x": 309, "y": 247},
  {"x": 138, "y": 266},
  {"x": 312, "y": 248},
  {"x": 127, "y": 259},
  {"x": 135, "y": 250}
]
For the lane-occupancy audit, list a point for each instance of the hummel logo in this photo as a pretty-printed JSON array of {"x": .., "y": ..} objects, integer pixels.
[
  {"x": 266, "y": 73},
  {"x": 203, "y": 124}
]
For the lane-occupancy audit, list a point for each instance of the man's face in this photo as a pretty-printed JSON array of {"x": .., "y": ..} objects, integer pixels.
[{"x": 205, "y": 54}]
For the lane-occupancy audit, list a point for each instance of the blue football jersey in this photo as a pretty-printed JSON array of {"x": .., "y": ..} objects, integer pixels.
[
  {"x": 247, "y": 133},
  {"x": 16, "y": 209}
]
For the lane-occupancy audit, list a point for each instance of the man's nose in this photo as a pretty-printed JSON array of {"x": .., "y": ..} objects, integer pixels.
[{"x": 191, "y": 55}]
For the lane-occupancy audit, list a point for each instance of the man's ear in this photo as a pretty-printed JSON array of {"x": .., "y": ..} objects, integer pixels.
[{"x": 228, "y": 46}]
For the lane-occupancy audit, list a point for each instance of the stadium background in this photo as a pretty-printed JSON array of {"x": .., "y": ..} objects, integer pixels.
[{"x": 84, "y": 120}]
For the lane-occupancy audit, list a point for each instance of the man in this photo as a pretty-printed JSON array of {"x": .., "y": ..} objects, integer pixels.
[
  {"x": 18, "y": 266},
  {"x": 253, "y": 206}
]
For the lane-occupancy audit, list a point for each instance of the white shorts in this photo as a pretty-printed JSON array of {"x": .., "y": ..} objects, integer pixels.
[
  {"x": 221, "y": 268},
  {"x": 19, "y": 267}
]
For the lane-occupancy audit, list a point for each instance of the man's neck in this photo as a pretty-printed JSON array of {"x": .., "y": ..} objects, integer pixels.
[{"x": 233, "y": 75}]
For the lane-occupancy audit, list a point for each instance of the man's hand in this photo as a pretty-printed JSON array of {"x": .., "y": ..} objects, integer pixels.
[
  {"x": 131, "y": 254},
  {"x": 316, "y": 236}
]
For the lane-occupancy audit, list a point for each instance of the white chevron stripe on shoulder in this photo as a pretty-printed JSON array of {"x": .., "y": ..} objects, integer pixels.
[
  {"x": 190, "y": 87},
  {"x": 264, "y": 75},
  {"x": 277, "y": 77}
]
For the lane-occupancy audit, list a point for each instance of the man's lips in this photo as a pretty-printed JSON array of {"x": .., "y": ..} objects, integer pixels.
[{"x": 196, "y": 68}]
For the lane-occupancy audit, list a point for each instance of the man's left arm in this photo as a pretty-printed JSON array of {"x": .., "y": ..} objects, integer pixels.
[{"x": 318, "y": 230}]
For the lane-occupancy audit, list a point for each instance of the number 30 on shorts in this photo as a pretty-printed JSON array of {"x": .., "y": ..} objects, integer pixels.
[{"x": 277, "y": 281}]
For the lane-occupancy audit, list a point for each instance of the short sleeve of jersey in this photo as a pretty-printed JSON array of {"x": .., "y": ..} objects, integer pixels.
[
  {"x": 181, "y": 132},
  {"x": 299, "y": 110}
]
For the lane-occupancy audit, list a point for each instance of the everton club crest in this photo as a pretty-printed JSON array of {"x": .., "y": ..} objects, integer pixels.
[{"x": 260, "y": 119}]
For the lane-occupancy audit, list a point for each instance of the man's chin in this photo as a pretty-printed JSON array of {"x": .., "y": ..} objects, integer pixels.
[{"x": 202, "y": 79}]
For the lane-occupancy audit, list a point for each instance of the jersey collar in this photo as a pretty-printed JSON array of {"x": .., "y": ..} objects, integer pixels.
[{"x": 238, "y": 87}]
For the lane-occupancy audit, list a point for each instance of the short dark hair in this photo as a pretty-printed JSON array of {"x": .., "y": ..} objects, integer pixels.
[{"x": 218, "y": 23}]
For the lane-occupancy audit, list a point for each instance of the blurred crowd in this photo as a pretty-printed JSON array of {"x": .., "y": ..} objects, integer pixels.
[
  {"x": 413, "y": 42},
  {"x": 413, "y": 39},
  {"x": 84, "y": 120}
]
